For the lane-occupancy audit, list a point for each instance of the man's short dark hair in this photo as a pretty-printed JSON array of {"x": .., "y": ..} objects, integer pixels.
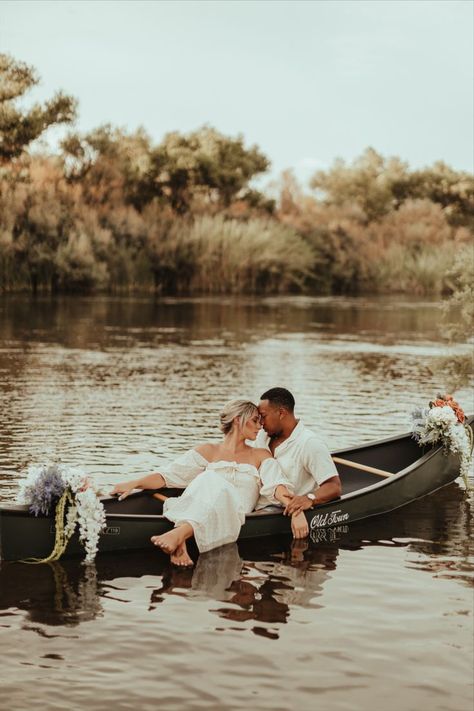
[{"x": 279, "y": 397}]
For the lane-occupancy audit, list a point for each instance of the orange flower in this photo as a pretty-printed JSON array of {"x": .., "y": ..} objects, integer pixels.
[
  {"x": 458, "y": 411},
  {"x": 448, "y": 400}
]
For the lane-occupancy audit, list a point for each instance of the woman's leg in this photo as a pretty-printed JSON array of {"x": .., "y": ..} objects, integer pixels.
[
  {"x": 174, "y": 543},
  {"x": 211, "y": 506}
]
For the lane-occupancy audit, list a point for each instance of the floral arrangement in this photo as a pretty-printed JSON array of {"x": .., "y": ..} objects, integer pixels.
[
  {"x": 75, "y": 501},
  {"x": 444, "y": 422}
]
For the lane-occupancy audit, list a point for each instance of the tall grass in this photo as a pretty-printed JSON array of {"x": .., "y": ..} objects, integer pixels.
[
  {"x": 400, "y": 270},
  {"x": 237, "y": 257}
]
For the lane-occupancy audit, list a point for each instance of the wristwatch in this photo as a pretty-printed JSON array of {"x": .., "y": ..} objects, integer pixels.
[{"x": 312, "y": 498}]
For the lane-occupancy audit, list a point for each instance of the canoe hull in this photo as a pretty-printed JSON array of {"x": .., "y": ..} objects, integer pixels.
[{"x": 23, "y": 535}]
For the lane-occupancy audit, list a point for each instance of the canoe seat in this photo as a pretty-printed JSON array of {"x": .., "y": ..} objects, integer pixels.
[{"x": 362, "y": 467}]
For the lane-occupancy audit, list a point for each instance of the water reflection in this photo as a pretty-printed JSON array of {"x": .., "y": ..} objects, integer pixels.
[
  {"x": 102, "y": 321},
  {"x": 60, "y": 593},
  {"x": 260, "y": 589}
]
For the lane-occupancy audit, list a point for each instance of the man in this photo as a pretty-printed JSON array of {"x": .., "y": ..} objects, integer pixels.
[{"x": 303, "y": 457}]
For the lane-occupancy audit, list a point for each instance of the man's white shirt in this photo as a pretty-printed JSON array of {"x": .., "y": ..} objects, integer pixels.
[{"x": 304, "y": 458}]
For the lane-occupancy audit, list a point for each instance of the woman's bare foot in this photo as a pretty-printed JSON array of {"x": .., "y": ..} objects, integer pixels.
[
  {"x": 181, "y": 557},
  {"x": 168, "y": 542}
]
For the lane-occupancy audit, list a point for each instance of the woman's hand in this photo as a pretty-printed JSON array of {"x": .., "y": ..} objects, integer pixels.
[
  {"x": 297, "y": 505},
  {"x": 152, "y": 481},
  {"x": 299, "y": 525},
  {"x": 124, "y": 488}
]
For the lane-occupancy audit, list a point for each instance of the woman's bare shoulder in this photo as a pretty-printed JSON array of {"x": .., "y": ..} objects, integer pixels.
[
  {"x": 206, "y": 449},
  {"x": 262, "y": 454}
]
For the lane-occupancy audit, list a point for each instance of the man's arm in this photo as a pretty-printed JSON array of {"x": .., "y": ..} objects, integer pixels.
[{"x": 318, "y": 463}]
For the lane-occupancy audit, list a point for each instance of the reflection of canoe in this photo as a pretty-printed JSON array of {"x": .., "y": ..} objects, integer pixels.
[{"x": 410, "y": 474}]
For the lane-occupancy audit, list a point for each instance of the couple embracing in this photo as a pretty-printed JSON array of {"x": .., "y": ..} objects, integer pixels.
[{"x": 287, "y": 465}]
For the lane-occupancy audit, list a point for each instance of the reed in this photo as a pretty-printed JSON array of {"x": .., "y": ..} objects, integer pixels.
[
  {"x": 257, "y": 256},
  {"x": 214, "y": 255},
  {"x": 400, "y": 270}
]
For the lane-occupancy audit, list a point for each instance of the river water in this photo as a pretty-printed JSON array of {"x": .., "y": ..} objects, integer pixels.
[{"x": 378, "y": 614}]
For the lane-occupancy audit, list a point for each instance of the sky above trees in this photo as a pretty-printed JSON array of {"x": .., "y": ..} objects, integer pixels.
[{"x": 305, "y": 81}]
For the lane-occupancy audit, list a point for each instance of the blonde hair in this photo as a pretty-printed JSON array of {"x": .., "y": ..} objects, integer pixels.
[{"x": 243, "y": 409}]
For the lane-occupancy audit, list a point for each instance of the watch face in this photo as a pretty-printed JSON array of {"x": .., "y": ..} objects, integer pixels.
[{"x": 311, "y": 496}]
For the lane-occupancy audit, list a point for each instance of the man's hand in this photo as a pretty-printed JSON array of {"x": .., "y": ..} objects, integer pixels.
[
  {"x": 299, "y": 525},
  {"x": 297, "y": 505},
  {"x": 327, "y": 491}
]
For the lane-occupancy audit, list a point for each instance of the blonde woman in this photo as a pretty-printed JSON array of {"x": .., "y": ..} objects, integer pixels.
[{"x": 223, "y": 483}]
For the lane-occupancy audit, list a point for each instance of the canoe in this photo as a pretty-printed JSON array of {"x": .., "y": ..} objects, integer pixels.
[{"x": 377, "y": 477}]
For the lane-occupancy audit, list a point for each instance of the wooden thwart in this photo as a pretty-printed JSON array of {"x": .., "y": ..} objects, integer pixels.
[{"x": 362, "y": 467}]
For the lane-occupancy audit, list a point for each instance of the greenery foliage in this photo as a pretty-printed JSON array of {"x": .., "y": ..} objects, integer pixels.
[
  {"x": 18, "y": 127},
  {"x": 458, "y": 368},
  {"x": 112, "y": 210}
]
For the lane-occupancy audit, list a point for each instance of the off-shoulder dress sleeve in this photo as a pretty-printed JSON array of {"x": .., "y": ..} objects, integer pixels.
[
  {"x": 271, "y": 476},
  {"x": 184, "y": 469}
]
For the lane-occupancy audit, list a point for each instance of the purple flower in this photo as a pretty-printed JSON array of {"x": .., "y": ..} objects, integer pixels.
[{"x": 46, "y": 490}]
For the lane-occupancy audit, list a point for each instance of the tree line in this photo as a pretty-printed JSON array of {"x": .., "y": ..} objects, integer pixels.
[{"x": 112, "y": 210}]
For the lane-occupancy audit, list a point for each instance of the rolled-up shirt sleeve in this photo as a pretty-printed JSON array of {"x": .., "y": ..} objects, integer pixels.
[
  {"x": 271, "y": 476},
  {"x": 184, "y": 469},
  {"x": 317, "y": 460}
]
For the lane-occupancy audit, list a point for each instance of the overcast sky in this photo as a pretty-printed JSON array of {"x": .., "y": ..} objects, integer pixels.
[{"x": 306, "y": 81}]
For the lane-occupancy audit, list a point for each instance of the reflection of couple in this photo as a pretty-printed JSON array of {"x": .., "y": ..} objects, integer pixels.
[
  {"x": 261, "y": 587},
  {"x": 224, "y": 481}
]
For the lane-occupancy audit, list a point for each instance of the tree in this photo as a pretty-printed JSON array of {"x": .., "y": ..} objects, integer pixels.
[
  {"x": 18, "y": 126},
  {"x": 110, "y": 164},
  {"x": 452, "y": 190},
  {"x": 204, "y": 164},
  {"x": 379, "y": 185},
  {"x": 201, "y": 166},
  {"x": 366, "y": 183}
]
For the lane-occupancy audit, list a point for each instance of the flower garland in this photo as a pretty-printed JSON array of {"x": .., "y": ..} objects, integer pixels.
[
  {"x": 444, "y": 422},
  {"x": 75, "y": 501}
]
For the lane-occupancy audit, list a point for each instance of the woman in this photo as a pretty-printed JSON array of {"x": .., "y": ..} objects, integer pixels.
[{"x": 224, "y": 481}]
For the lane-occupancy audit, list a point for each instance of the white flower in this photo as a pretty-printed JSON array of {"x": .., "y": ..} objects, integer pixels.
[
  {"x": 71, "y": 521},
  {"x": 442, "y": 415},
  {"x": 74, "y": 478},
  {"x": 91, "y": 517}
]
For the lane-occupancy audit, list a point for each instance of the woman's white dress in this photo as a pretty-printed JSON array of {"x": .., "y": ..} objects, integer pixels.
[{"x": 218, "y": 495}]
